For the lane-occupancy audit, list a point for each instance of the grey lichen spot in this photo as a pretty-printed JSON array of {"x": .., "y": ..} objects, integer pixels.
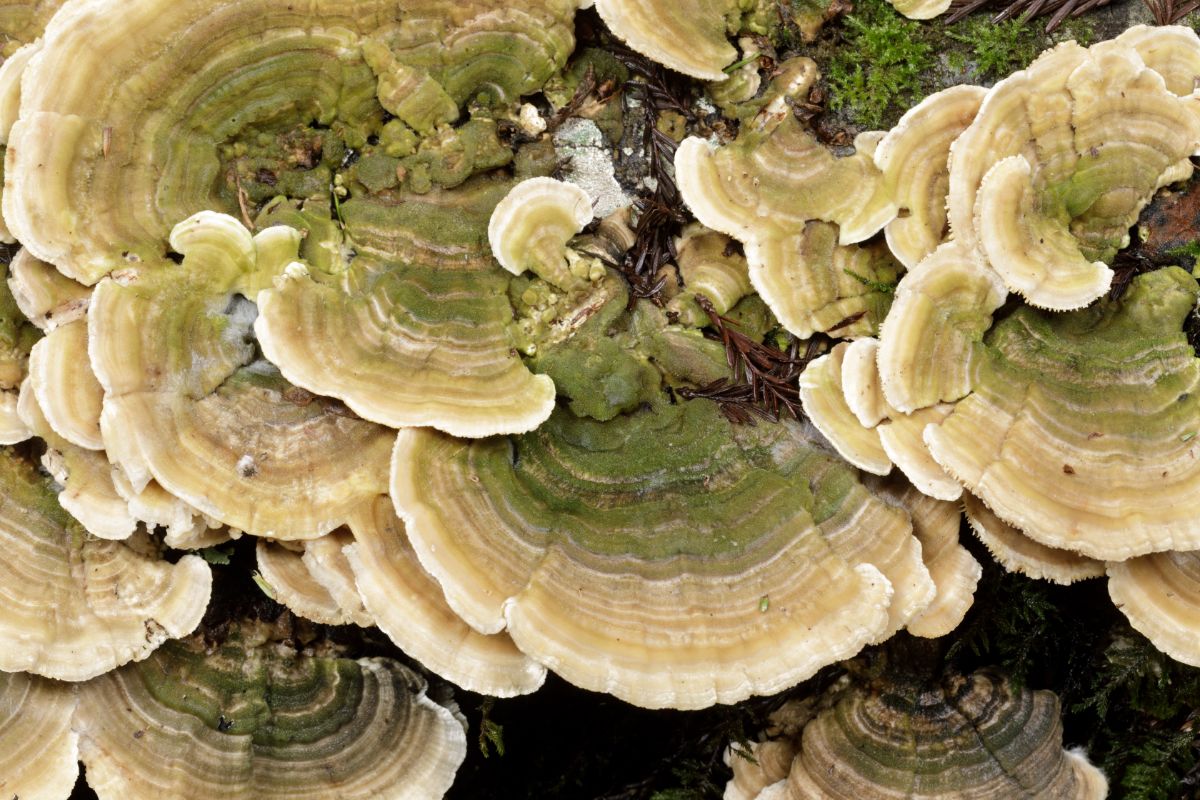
[{"x": 589, "y": 164}]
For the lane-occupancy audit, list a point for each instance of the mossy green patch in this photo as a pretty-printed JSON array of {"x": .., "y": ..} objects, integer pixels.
[
  {"x": 997, "y": 48},
  {"x": 881, "y": 63}
]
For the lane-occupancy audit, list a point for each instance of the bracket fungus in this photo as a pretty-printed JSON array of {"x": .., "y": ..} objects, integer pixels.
[
  {"x": 796, "y": 208},
  {"x": 975, "y": 737},
  {"x": 1016, "y": 552},
  {"x": 1059, "y": 162},
  {"x": 224, "y": 87},
  {"x": 415, "y": 330},
  {"x": 940, "y": 313},
  {"x": 1080, "y": 428},
  {"x": 582, "y": 538},
  {"x": 954, "y": 571},
  {"x": 691, "y": 36},
  {"x": 57, "y": 625},
  {"x": 17, "y": 337},
  {"x": 913, "y": 158},
  {"x": 89, "y": 492},
  {"x": 44, "y": 295},
  {"x": 824, "y": 399},
  {"x": 39, "y": 752},
  {"x": 409, "y": 606},
  {"x": 67, "y": 391},
  {"x": 295, "y": 586},
  {"x": 187, "y": 404},
  {"x": 254, "y": 719},
  {"x": 1160, "y": 594}
]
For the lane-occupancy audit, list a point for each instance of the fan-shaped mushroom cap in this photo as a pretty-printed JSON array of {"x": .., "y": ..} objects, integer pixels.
[
  {"x": 902, "y": 437},
  {"x": 89, "y": 493},
  {"x": 1080, "y": 429},
  {"x": 45, "y": 296},
  {"x": 185, "y": 528},
  {"x": 1016, "y": 552},
  {"x": 329, "y": 566},
  {"x": 1060, "y": 161},
  {"x": 253, "y": 719},
  {"x": 186, "y": 404},
  {"x": 409, "y": 606},
  {"x": 821, "y": 392},
  {"x": 974, "y": 738},
  {"x": 55, "y": 624},
  {"x": 1160, "y": 594},
  {"x": 690, "y": 36},
  {"x": 530, "y": 227},
  {"x": 99, "y": 169},
  {"x": 16, "y": 339},
  {"x": 39, "y": 753},
  {"x": 600, "y": 546},
  {"x": 1172, "y": 51},
  {"x": 953, "y": 569},
  {"x": 709, "y": 267},
  {"x": 415, "y": 331},
  {"x": 930, "y": 336},
  {"x": 814, "y": 284},
  {"x": 861, "y": 387},
  {"x": 913, "y": 157},
  {"x": 776, "y": 177},
  {"x": 67, "y": 391},
  {"x": 295, "y": 587}
]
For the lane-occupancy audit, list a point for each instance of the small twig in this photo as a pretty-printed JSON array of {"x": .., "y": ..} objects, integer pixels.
[
  {"x": 766, "y": 380},
  {"x": 1058, "y": 10}
]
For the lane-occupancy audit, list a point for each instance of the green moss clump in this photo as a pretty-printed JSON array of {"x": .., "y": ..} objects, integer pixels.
[
  {"x": 997, "y": 48},
  {"x": 880, "y": 63}
]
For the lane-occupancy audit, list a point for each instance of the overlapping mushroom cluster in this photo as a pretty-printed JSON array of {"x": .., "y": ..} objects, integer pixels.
[
  {"x": 1069, "y": 435},
  {"x": 892, "y": 735},
  {"x": 285, "y": 274}
]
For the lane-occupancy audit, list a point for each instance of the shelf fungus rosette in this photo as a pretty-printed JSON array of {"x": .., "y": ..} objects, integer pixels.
[
  {"x": 188, "y": 404},
  {"x": 668, "y": 557},
  {"x": 39, "y": 752},
  {"x": 690, "y": 36},
  {"x": 415, "y": 330},
  {"x": 89, "y": 491},
  {"x": 822, "y": 394},
  {"x": 931, "y": 334},
  {"x": 44, "y": 295},
  {"x": 1160, "y": 594},
  {"x": 953, "y": 569},
  {"x": 409, "y": 606},
  {"x": 797, "y": 209},
  {"x": 110, "y": 151},
  {"x": 1058, "y": 164},
  {"x": 17, "y": 338},
  {"x": 57, "y": 624},
  {"x": 1080, "y": 429},
  {"x": 913, "y": 158},
  {"x": 252, "y": 718},
  {"x": 977, "y": 737}
]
